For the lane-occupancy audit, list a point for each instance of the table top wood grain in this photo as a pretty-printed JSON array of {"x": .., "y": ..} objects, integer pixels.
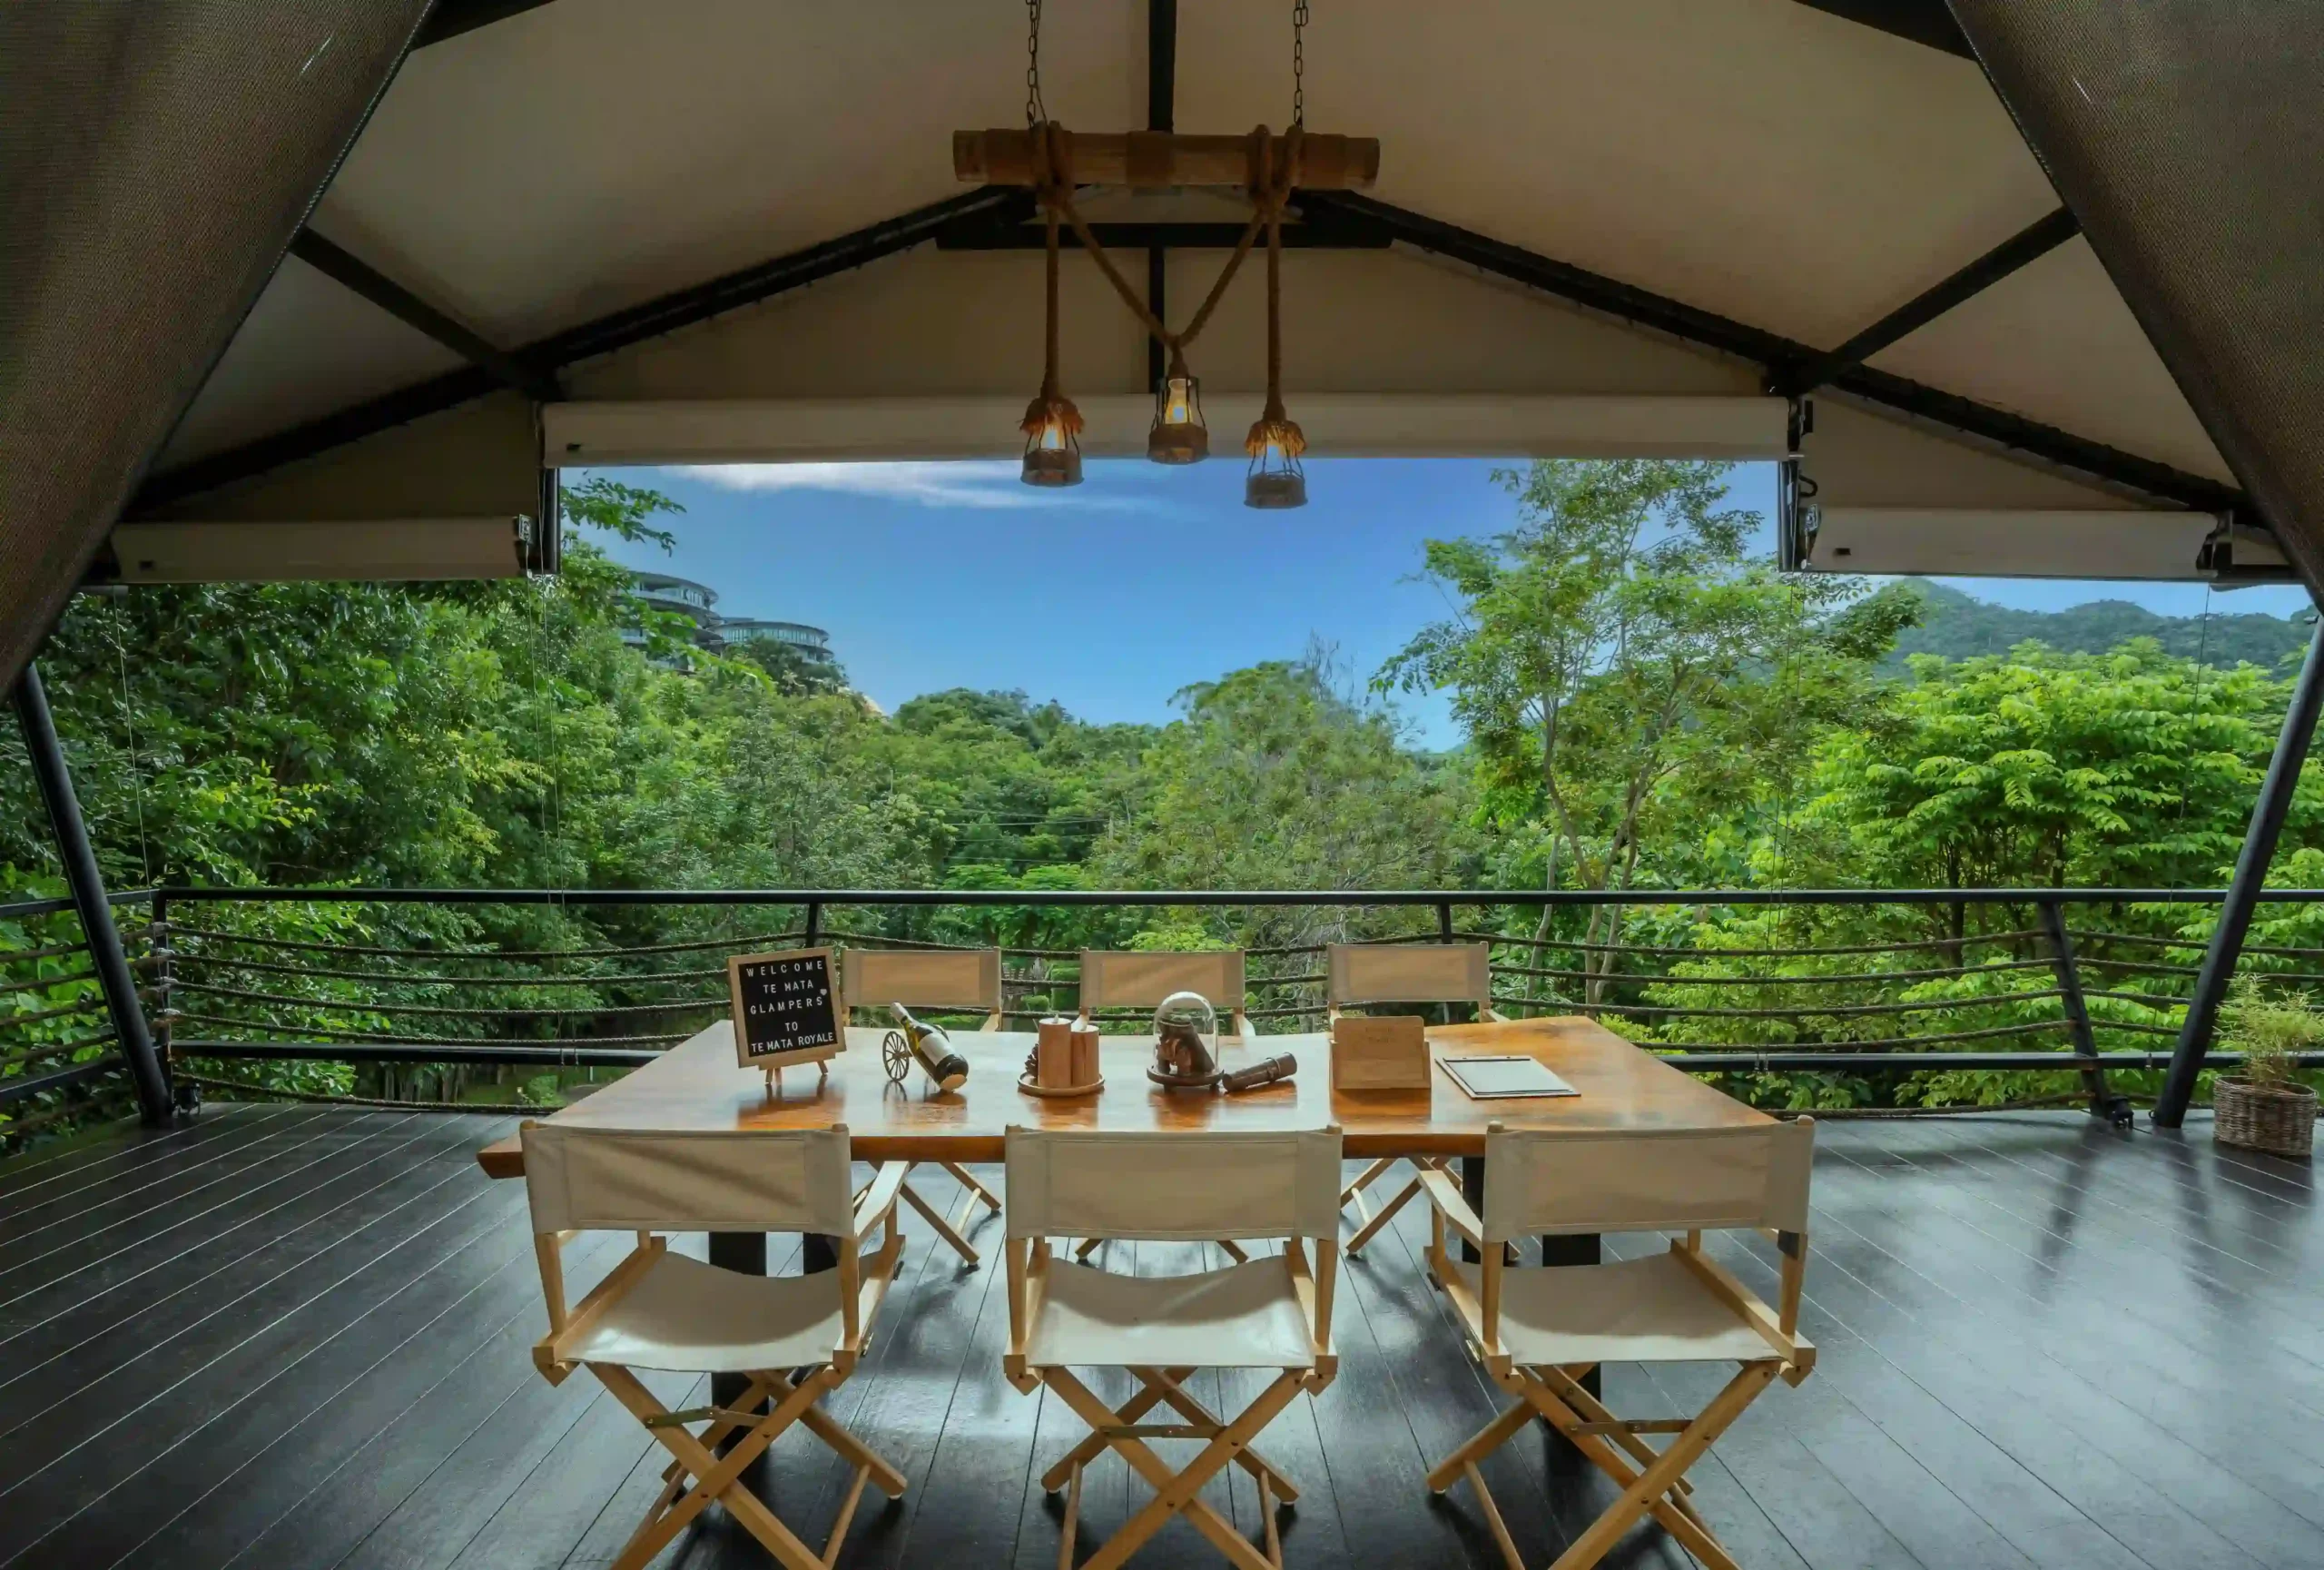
[{"x": 696, "y": 1085}]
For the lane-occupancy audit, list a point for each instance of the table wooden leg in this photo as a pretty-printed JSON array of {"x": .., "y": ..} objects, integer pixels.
[{"x": 744, "y": 1253}]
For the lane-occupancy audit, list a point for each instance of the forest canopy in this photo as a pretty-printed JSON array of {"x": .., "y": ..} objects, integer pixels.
[{"x": 1644, "y": 702}]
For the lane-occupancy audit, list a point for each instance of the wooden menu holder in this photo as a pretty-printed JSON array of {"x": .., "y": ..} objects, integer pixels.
[{"x": 1379, "y": 1052}]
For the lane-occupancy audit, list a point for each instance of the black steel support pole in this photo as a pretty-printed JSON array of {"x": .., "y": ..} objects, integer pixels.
[
  {"x": 2102, "y": 1103},
  {"x": 2243, "y": 891},
  {"x": 88, "y": 888}
]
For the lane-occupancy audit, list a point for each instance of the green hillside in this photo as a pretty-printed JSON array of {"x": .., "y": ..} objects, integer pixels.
[{"x": 1959, "y": 626}]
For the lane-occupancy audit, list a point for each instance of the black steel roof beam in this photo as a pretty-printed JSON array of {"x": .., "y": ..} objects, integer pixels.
[
  {"x": 2034, "y": 241},
  {"x": 1776, "y": 353},
  {"x": 666, "y": 313},
  {"x": 1161, "y": 114},
  {"x": 1926, "y": 22},
  {"x": 360, "y": 278},
  {"x": 1161, "y": 64},
  {"x": 450, "y": 18},
  {"x": 1328, "y": 235}
]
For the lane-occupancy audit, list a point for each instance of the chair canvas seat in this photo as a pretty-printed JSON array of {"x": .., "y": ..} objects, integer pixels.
[
  {"x": 1246, "y": 1316},
  {"x": 1647, "y": 1310},
  {"x": 793, "y": 1340},
  {"x": 681, "y": 1315}
]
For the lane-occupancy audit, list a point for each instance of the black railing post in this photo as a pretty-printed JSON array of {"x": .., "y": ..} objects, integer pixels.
[
  {"x": 88, "y": 888},
  {"x": 2226, "y": 946},
  {"x": 814, "y": 921},
  {"x": 2114, "y": 1108},
  {"x": 1444, "y": 922}
]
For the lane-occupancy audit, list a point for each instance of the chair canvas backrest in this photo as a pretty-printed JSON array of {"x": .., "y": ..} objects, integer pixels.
[
  {"x": 1647, "y": 1180},
  {"x": 1140, "y": 978},
  {"x": 1176, "y": 1187},
  {"x": 921, "y": 978},
  {"x": 692, "y": 1181},
  {"x": 1409, "y": 973}
]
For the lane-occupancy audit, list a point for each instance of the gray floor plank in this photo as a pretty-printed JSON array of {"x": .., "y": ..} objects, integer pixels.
[{"x": 298, "y": 1337}]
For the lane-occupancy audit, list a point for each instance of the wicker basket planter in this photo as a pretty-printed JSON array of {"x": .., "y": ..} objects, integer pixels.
[{"x": 2278, "y": 1119}]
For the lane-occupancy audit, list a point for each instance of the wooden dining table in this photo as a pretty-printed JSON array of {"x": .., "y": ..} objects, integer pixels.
[{"x": 698, "y": 1084}]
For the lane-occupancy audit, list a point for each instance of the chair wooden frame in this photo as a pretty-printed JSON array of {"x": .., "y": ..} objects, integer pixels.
[
  {"x": 1228, "y": 1441},
  {"x": 1142, "y": 978},
  {"x": 935, "y": 978},
  {"x": 708, "y": 1466},
  {"x": 1653, "y": 1482},
  {"x": 1356, "y": 975}
]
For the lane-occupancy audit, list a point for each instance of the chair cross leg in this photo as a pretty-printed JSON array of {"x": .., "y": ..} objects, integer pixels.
[
  {"x": 1648, "y": 1488},
  {"x": 1176, "y": 1493},
  {"x": 944, "y": 1227},
  {"x": 1160, "y": 1384},
  {"x": 1671, "y": 1509},
  {"x": 714, "y": 1477},
  {"x": 976, "y": 1191},
  {"x": 1372, "y": 1221},
  {"x": 1567, "y": 1383},
  {"x": 717, "y": 1477}
]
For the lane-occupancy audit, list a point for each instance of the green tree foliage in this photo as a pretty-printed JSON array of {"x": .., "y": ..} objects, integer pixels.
[
  {"x": 1621, "y": 665},
  {"x": 1274, "y": 780},
  {"x": 1645, "y": 706},
  {"x": 1961, "y": 627}
]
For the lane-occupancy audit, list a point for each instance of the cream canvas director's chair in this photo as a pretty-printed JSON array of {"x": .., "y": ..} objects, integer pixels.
[
  {"x": 1361, "y": 974},
  {"x": 1539, "y": 1331},
  {"x": 963, "y": 979},
  {"x": 660, "y": 1310},
  {"x": 1270, "y": 1312},
  {"x": 1142, "y": 978}
]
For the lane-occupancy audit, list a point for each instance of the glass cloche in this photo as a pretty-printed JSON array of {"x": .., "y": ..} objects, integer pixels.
[{"x": 1186, "y": 1038}]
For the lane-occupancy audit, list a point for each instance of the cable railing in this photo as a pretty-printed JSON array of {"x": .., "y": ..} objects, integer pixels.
[
  {"x": 59, "y": 1057},
  {"x": 437, "y": 988}
]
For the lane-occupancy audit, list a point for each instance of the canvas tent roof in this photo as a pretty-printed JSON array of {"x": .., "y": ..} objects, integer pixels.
[{"x": 595, "y": 232}]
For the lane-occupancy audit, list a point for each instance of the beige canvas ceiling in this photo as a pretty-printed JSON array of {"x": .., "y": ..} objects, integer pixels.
[{"x": 1790, "y": 170}]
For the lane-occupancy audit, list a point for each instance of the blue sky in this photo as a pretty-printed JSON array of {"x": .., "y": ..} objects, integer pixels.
[{"x": 1112, "y": 595}]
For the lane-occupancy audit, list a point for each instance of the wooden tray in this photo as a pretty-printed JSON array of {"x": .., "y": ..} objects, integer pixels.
[
  {"x": 1174, "y": 1082},
  {"x": 1025, "y": 1083}
]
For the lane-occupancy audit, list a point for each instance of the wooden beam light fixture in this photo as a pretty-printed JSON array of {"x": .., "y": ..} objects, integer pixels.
[{"x": 1053, "y": 162}]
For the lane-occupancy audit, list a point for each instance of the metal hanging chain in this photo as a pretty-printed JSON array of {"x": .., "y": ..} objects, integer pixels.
[
  {"x": 1299, "y": 61},
  {"x": 1035, "y": 110}
]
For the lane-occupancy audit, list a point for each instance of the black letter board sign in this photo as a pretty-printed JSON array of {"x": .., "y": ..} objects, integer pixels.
[{"x": 786, "y": 1008}]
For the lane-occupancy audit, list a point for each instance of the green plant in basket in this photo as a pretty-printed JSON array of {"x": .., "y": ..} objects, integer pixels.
[
  {"x": 2271, "y": 1033},
  {"x": 2266, "y": 1107}
]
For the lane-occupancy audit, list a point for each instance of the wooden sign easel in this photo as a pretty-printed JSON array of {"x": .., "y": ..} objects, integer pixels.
[{"x": 786, "y": 1012}]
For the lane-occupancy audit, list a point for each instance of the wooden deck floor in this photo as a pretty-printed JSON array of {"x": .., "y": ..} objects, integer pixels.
[{"x": 294, "y": 1336}]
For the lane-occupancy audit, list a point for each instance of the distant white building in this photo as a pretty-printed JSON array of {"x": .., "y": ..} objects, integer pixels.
[{"x": 698, "y": 603}]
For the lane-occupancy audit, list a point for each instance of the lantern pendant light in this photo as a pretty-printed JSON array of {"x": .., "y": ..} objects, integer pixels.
[
  {"x": 1276, "y": 478},
  {"x": 1178, "y": 435}
]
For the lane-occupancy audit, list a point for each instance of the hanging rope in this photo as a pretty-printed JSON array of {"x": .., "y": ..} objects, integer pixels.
[
  {"x": 1053, "y": 171},
  {"x": 1275, "y": 168},
  {"x": 1274, "y": 427}
]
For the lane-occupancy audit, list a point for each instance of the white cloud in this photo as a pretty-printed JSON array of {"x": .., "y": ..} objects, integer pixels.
[{"x": 970, "y": 484}]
